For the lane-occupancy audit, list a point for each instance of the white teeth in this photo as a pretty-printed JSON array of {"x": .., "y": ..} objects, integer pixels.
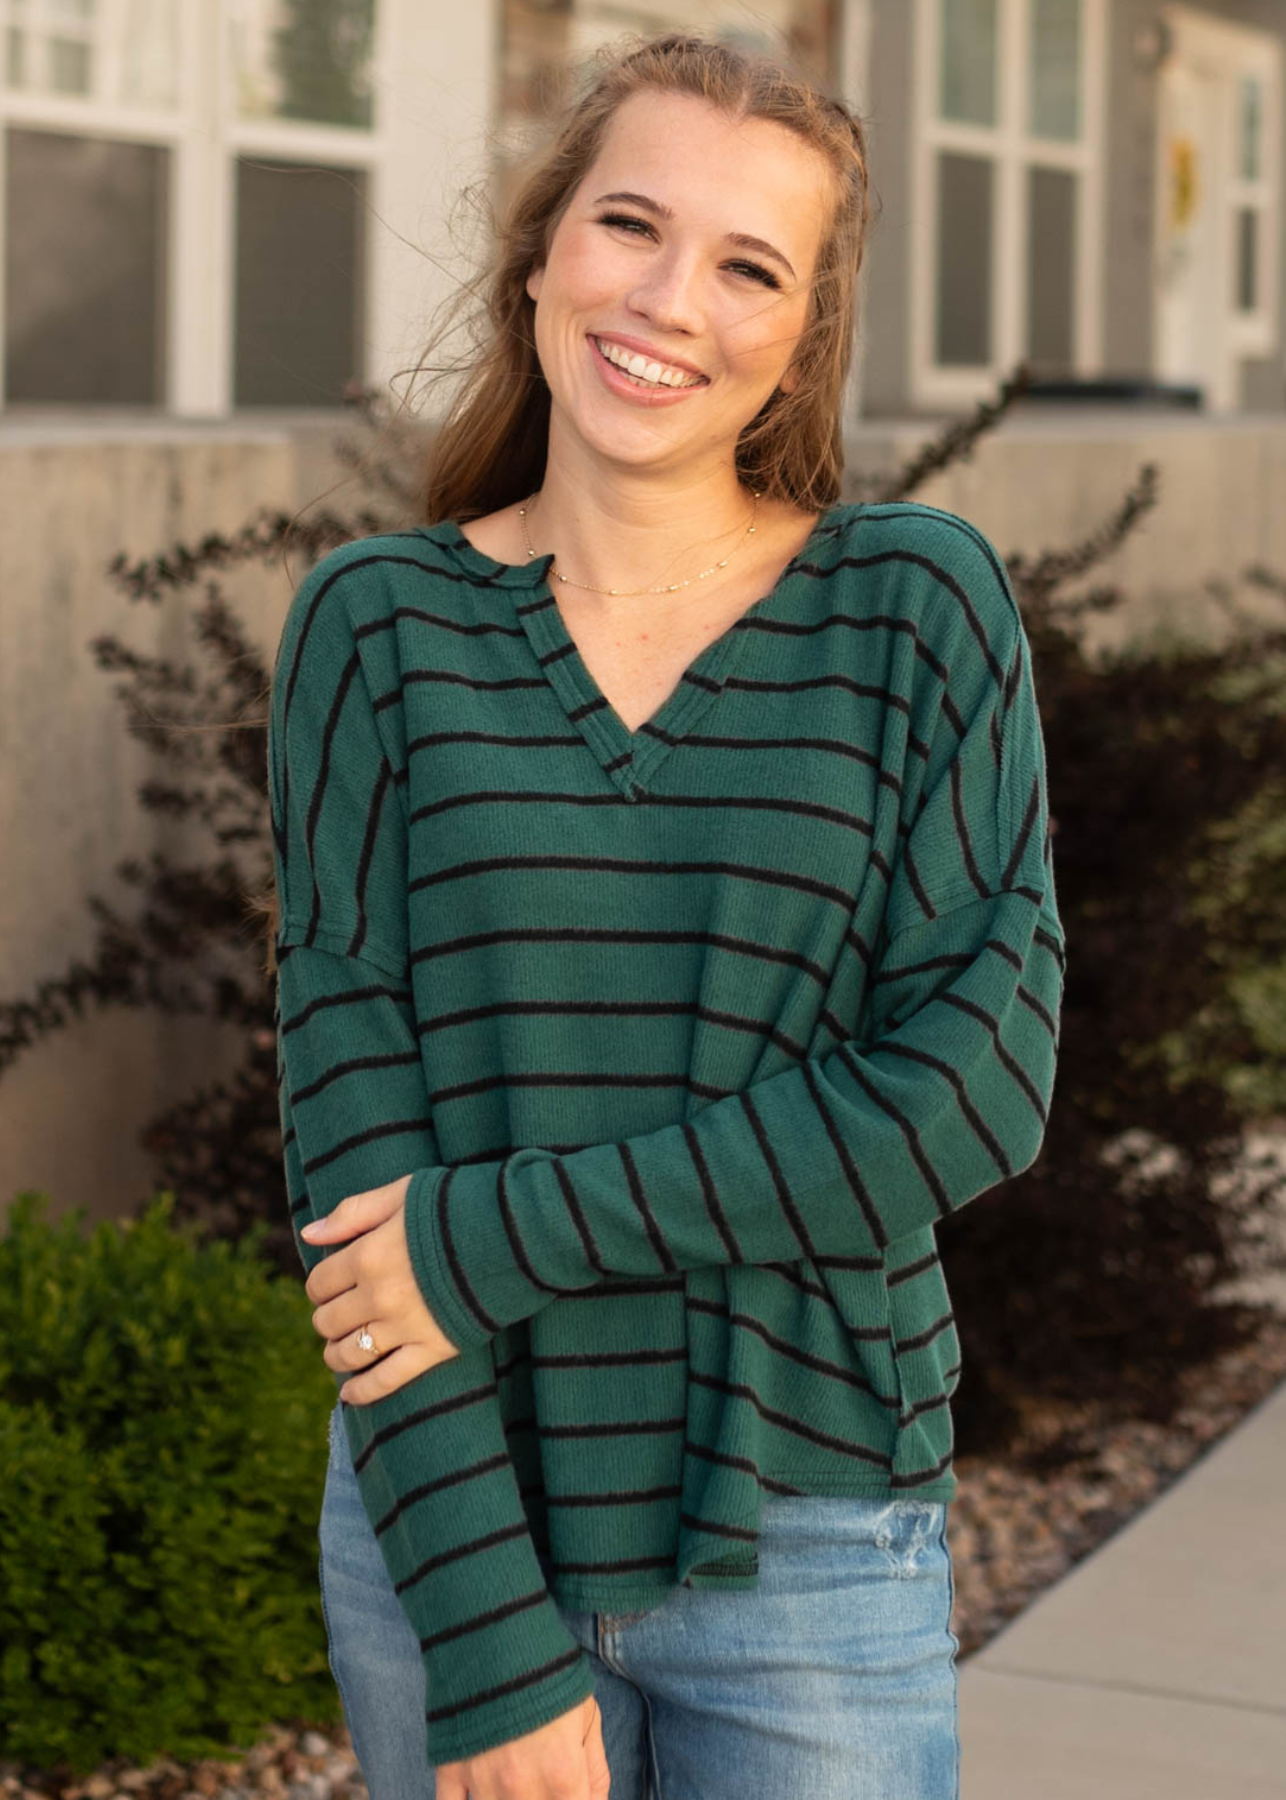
[{"x": 642, "y": 369}]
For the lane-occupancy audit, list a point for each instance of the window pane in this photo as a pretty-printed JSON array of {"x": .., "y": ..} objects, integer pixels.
[
  {"x": 67, "y": 60},
  {"x": 967, "y": 77},
  {"x": 150, "y": 53},
  {"x": 304, "y": 59},
  {"x": 1056, "y": 68},
  {"x": 299, "y": 282},
  {"x": 541, "y": 43},
  {"x": 84, "y": 270},
  {"x": 70, "y": 69},
  {"x": 965, "y": 210},
  {"x": 1251, "y": 128},
  {"x": 1247, "y": 258},
  {"x": 50, "y": 47},
  {"x": 1051, "y": 268}
]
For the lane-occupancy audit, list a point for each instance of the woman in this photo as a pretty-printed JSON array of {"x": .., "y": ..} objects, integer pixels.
[{"x": 667, "y": 940}]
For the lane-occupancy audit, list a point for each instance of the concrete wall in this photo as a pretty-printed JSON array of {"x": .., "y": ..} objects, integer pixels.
[
  {"x": 1048, "y": 477},
  {"x": 72, "y": 495}
]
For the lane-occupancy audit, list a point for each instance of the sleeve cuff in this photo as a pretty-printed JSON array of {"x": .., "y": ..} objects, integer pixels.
[
  {"x": 432, "y": 1275},
  {"x": 509, "y": 1712}
]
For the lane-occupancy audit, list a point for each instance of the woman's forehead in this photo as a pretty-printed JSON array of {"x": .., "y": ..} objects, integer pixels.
[{"x": 700, "y": 161}]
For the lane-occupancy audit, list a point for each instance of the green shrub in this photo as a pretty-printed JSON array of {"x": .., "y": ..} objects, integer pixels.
[{"x": 163, "y": 1412}]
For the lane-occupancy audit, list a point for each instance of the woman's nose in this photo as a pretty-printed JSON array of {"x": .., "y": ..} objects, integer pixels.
[{"x": 668, "y": 296}]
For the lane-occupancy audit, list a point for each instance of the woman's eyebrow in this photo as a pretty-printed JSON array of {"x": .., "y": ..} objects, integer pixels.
[{"x": 739, "y": 238}]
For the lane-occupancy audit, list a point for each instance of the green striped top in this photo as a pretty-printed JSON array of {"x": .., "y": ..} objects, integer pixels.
[{"x": 689, "y": 1036}]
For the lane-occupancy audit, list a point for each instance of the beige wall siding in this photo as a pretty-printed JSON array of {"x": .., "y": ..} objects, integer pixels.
[{"x": 71, "y": 497}]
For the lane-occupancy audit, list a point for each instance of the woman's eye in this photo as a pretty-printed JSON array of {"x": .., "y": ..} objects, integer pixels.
[
  {"x": 625, "y": 219},
  {"x": 755, "y": 271}
]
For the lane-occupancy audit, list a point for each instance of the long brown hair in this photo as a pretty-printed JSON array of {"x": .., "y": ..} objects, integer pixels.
[{"x": 490, "y": 449}]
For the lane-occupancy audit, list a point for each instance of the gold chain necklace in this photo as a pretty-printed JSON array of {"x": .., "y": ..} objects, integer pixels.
[{"x": 631, "y": 593}]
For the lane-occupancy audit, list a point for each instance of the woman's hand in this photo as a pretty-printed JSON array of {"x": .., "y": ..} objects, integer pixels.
[
  {"x": 563, "y": 1760},
  {"x": 372, "y": 1284}
]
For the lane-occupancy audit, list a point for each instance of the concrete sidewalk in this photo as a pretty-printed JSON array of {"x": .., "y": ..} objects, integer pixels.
[{"x": 1156, "y": 1669}]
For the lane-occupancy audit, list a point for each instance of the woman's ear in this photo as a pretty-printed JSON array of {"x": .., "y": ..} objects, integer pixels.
[
  {"x": 790, "y": 380},
  {"x": 534, "y": 282}
]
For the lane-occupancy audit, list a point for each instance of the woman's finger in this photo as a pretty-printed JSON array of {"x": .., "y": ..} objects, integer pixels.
[
  {"x": 358, "y": 1213},
  {"x": 387, "y": 1375},
  {"x": 346, "y": 1355},
  {"x": 348, "y": 1312}
]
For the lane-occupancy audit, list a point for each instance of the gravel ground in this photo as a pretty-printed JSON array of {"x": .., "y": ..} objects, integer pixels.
[{"x": 1011, "y": 1537}]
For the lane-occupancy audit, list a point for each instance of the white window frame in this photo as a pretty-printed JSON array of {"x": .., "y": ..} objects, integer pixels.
[
  {"x": 42, "y": 26},
  {"x": 432, "y": 82},
  {"x": 286, "y": 141},
  {"x": 1012, "y": 149},
  {"x": 1236, "y": 50}
]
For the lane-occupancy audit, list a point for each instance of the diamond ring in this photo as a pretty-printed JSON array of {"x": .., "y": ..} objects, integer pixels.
[{"x": 364, "y": 1339}]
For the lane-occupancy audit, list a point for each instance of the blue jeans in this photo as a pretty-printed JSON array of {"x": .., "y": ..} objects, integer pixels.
[{"x": 835, "y": 1679}]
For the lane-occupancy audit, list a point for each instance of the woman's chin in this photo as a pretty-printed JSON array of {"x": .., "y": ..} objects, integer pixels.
[{"x": 629, "y": 442}]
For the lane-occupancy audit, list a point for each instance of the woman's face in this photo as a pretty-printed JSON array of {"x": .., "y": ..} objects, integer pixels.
[{"x": 653, "y": 258}]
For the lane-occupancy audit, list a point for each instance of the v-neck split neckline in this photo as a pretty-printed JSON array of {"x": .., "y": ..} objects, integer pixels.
[{"x": 628, "y": 758}]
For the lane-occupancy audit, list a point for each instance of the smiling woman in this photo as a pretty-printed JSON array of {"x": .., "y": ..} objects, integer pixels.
[
  {"x": 669, "y": 286},
  {"x": 667, "y": 941}
]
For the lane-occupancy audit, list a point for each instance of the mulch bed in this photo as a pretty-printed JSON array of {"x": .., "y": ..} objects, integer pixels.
[{"x": 1011, "y": 1537}]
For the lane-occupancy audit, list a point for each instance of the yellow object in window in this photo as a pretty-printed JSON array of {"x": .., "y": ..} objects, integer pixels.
[{"x": 1183, "y": 182}]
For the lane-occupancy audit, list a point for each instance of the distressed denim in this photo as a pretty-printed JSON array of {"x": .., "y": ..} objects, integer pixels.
[{"x": 835, "y": 1679}]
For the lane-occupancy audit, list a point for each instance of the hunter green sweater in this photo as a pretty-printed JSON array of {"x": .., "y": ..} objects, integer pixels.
[{"x": 690, "y": 1036}]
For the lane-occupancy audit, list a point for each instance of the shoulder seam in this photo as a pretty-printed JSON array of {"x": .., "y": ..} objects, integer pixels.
[
  {"x": 336, "y": 943},
  {"x": 979, "y": 539},
  {"x": 957, "y": 901}
]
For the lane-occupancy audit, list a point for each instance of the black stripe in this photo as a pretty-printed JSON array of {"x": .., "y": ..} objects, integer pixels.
[
  {"x": 804, "y": 809},
  {"x": 462, "y": 1286},
  {"x": 1024, "y": 832},
  {"x": 374, "y": 991},
  {"x": 954, "y": 1080},
  {"x": 392, "y": 1060},
  {"x": 368, "y": 851},
  {"x": 391, "y": 1128},
  {"x": 738, "y": 1390},
  {"x": 938, "y": 574},
  {"x": 635, "y": 866},
  {"x": 518, "y": 1683}
]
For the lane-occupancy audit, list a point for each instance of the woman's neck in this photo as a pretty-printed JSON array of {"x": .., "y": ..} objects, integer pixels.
[{"x": 614, "y": 532}]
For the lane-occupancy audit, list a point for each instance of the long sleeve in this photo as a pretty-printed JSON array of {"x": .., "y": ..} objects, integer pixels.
[
  {"x": 941, "y": 1094},
  {"x": 431, "y": 1459}
]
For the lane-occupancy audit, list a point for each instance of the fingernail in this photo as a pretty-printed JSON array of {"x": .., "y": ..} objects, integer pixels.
[{"x": 311, "y": 1230}]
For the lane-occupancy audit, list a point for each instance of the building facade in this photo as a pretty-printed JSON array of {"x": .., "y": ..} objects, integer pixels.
[
  {"x": 1092, "y": 185},
  {"x": 230, "y": 205},
  {"x": 216, "y": 215}
]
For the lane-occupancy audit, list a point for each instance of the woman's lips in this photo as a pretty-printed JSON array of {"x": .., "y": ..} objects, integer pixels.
[{"x": 620, "y": 383}]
